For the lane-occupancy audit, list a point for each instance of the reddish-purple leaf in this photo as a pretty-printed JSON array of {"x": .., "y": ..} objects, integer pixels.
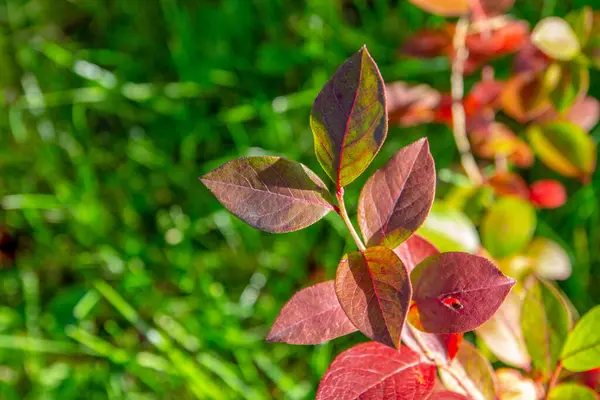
[
  {"x": 440, "y": 346},
  {"x": 396, "y": 200},
  {"x": 374, "y": 291},
  {"x": 457, "y": 292},
  {"x": 414, "y": 250},
  {"x": 446, "y": 395},
  {"x": 349, "y": 119},
  {"x": 312, "y": 316},
  {"x": 372, "y": 371},
  {"x": 269, "y": 193},
  {"x": 491, "y": 7},
  {"x": 410, "y": 105}
]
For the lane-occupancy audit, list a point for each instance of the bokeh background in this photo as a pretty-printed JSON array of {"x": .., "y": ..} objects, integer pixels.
[{"x": 122, "y": 277}]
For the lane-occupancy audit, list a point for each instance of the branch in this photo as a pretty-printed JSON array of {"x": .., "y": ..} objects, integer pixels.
[
  {"x": 344, "y": 214},
  {"x": 458, "y": 112},
  {"x": 554, "y": 379}
]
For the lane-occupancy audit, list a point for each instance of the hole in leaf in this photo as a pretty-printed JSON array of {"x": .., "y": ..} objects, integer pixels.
[{"x": 453, "y": 303}]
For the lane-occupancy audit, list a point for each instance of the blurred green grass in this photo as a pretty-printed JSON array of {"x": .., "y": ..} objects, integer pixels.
[{"x": 131, "y": 281}]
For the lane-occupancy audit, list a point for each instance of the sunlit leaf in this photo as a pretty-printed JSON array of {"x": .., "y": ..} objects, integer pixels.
[
  {"x": 502, "y": 333},
  {"x": 312, "y": 316},
  {"x": 545, "y": 325},
  {"x": 508, "y": 226},
  {"x": 414, "y": 250},
  {"x": 497, "y": 140},
  {"x": 549, "y": 260},
  {"x": 572, "y": 391},
  {"x": 441, "y": 346},
  {"x": 457, "y": 292},
  {"x": 512, "y": 385},
  {"x": 446, "y": 395},
  {"x": 411, "y": 105},
  {"x": 555, "y": 37},
  {"x": 472, "y": 374},
  {"x": 509, "y": 184},
  {"x": 581, "y": 21},
  {"x": 374, "y": 290},
  {"x": 396, "y": 199},
  {"x": 572, "y": 84},
  {"x": 564, "y": 147},
  {"x": 547, "y": 193},
  {"x": 377, "y": 372},
  {"x": 272, "y": 194},
  {"x": 582, "y": 350},
  {"x": 449, "y": 229},
  {"x": 524, "y": 97},
  {"x": 505, "y": 39},
  {"x": 349, "y": 119},
  {"x": 446, "y": 8}
]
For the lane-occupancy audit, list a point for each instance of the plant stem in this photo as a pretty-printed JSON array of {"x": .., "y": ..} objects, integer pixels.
[
  {"x": 344, "y": 214},
  {"x": 458, "y": 111},
  {"x": 554, "y": 379}
]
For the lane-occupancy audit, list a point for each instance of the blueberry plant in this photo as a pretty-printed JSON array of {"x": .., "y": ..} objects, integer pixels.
[{"x": 422, "y": 275}]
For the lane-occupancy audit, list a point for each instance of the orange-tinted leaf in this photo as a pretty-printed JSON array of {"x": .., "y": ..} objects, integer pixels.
[
  {"x": 312, "y": 316},
  {"x": 349, "y": 119},
  {"x": 445, "y": 8},
  {"x": 524, "y": 97},
  {"x": 411, "y": 105},
  {"x": 555, "y": 37},
  {"x": 484, "y": 95},
  {"x": 415, "y": 250},
  {"x": 502, "y": 333},
  {"x": 497, "y": 140},
  {"x": 457, "y": 292},
  {"x": 548, "y": 193},
  {"x": 396, "y": 199},
  {"x": 509, "y": 184},
  {"x": 504, "y": 40},
  {"x": 376, "y": 372},
  {"x": 272, "y": 194},
  {"x": 374, "y": 290},
  {"x": 472, "y": 374}
]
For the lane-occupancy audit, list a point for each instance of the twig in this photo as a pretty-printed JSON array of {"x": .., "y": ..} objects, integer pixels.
[
  {"x": 554, "y": 379},
  {"x": 344, "y": 214},
  {"x": 458, "y": 112}
]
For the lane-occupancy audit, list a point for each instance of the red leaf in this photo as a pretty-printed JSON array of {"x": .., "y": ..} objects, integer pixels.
[
  {"x": 371, "y": 371},
  {"x": 457, "y": 292},
  {"x": 548, "y": 193},
  {"x": 396, "y": 200},
  {"x": 414, "y": 250},
  {"x": 504, "y": 40},
  {"x": 442, "y": 347},
  {"x": 447, "y": 396},
  {"x": 429, "y": 43},
  {"x": 374, "y": 291},
  {"x": 311, "y": 316},
  {"x": 509, "y": 184},
  {"x": 411, "y": 105},
  {"x": 484, "y": 96},
  {"x": 272, "y": 194}
]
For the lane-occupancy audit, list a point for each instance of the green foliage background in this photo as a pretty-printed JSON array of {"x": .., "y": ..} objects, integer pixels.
[{"x": 131, "y": 281}]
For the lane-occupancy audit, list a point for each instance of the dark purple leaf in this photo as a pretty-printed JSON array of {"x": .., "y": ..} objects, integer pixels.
[
  {"x": 396, "y": 199},
  {"x": 269, "y": 193},
  {"x": 372, "y": 371},
  {"x": 457, "y": 292},
  {"x": 349, "y": 119},
  {"x": 312, "y": 316},
  {"x": 374, "y": 291}
]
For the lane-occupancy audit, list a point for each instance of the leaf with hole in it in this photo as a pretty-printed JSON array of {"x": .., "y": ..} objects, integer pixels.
[
  {"x": 414, "y": 250},
  {"x": 374, "y": 290},
  {"x": 502, "y": 333},
  {"x": 545, "y": 326},
  {"x": 474, "y": 372},
  {"x": 312, "y": 316},
  {"x": 396, "y": 199},
  {"x": 549, "y": 260},
  {"x": 564, "y": 147},
  {"x": 582, "y": 349},
  {"x": 445, "y": 8},
  {"x": 555, "y": 37},
  {"x": 269, "y": 193},
  {"x": 573, "y": 83},
  {"x": 572, "y": 391},
  {"x": 508, "y": 226},
  {"x": 457, "y": 292},
  {"x": 349, "y": 119},
  {"x": 377, "y": 372}
]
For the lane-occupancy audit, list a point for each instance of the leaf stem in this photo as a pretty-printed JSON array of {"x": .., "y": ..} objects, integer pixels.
[
  {"x": 458, "y": 111},
  {"x": 554, "y": 379},
  {"x": 344, "y": 214}
]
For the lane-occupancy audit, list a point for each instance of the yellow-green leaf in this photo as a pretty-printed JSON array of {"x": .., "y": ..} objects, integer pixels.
[
  {"x": 573, "y": 83},
  {"x": 582, "y": 350},
  {"x": 564, "y": 147},
  {"x": 572, "y": 391},
  {"x": 555, "y": 37}
]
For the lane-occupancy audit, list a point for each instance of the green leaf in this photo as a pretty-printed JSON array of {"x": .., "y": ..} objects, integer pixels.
[
  {"x": 449, "y": 229},
  {"x": 545, "y": 323},
  {"x": 572, "y": 391},
  {"x": 564, "y": 147},
  {"x": 349, "y": 119},
  {"x": 574, "y": 82},
  {"x": 582, "y": 350},
  {"x": 508, "y": 226},
  {"x": 581, "y": 22},
  {"x": 548, "y": 259},
  {"x": 555, "y": 37}
]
